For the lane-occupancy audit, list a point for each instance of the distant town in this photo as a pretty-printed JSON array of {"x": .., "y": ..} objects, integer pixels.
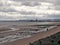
[{"x": 42, "y": 20}]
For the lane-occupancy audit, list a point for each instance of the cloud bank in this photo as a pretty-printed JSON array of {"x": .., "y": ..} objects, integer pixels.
[{"x": 29, "y": 9}]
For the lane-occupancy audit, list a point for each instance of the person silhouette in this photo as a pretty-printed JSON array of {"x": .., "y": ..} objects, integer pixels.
[{"x": 47, "y": 29}]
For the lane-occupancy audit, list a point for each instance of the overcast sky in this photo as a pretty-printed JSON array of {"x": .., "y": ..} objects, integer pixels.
[{"x": 29, "y": 9}]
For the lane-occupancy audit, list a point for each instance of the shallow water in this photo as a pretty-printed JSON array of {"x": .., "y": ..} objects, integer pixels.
[{"x": 27, "y": 23}]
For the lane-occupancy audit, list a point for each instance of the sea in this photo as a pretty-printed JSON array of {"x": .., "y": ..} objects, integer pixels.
[{"x": 27, "y": 23}]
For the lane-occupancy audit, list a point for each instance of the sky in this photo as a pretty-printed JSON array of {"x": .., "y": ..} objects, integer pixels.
[{"x": 29, "y": 9}]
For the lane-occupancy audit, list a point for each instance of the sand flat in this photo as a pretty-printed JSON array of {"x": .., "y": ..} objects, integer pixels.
[{"x": 38, "y": 36}]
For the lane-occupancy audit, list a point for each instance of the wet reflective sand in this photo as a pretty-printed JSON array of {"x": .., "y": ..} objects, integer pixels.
[{"x": 10, "y": 32}]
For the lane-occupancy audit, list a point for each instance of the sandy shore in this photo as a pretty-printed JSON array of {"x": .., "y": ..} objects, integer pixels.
[
  {"x": 15, "y": 32},
  {"x": 35, "y": 37}
]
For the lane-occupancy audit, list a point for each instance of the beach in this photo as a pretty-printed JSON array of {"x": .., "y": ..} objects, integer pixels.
[{"x": 14, "y": 33}]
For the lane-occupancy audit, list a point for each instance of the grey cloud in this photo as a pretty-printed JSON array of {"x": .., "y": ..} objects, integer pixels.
[
  {"x": 1, "y": 4},
  {"x": 8, "y": 10},
  {"x": 28, "y": 17},
  {"x": 30, "y": 3},
  {"x": 27, "y": 13},
  {"x": 22, "y": 0},
  {"x": 56, "y": 2},
  {"x": 53, "y": 16},
  {"x": 49, "y": 17},
  {"x": 57, "y": 7},
  {"x": 6, "y": 18},
  {"x": 36, "y": 3},
  {"x": 19, "y": 0}
]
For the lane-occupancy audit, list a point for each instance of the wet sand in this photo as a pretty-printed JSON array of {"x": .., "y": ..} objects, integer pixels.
[
  {"x": 26, "y": 41},
  {"x": 34, "y": 38}
]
